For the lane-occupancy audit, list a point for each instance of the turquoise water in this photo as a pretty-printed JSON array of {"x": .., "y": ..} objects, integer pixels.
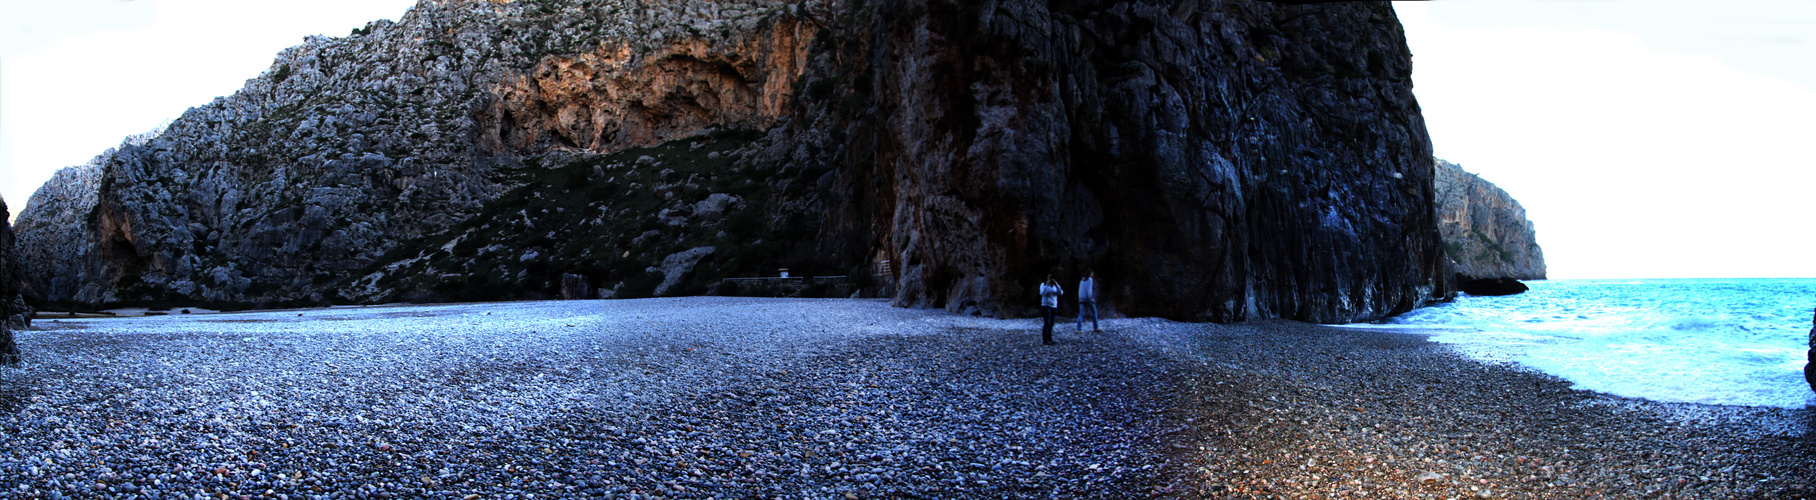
[{"x": 1712, "y": 341}]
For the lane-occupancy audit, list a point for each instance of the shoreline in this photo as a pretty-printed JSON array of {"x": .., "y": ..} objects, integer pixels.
[{"x": 825, "y": 398}]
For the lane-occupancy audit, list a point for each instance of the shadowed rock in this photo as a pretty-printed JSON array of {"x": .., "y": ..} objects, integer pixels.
[
  {"x": 1211, "y": 160},
  {"x": 1809, "y": 368},
  {"x": 14, "y": 314},
  {"x": 1491, "y": 286}
]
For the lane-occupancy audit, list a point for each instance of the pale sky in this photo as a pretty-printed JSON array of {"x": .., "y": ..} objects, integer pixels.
[{"x": 1646, "y": 138}]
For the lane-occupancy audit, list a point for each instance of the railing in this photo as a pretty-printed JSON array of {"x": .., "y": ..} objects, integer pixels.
[
  {"x": 773, "y": 281},
  {"x": 789, "y": 281}
]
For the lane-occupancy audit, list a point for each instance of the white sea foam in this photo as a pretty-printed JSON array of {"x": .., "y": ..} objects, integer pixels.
[{"x": 1713, "y": 341}]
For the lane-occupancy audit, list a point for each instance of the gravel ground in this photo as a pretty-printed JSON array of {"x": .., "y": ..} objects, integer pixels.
[
  {"x": 740, "y": 398},
  {"x": 1289, "y": 410}
]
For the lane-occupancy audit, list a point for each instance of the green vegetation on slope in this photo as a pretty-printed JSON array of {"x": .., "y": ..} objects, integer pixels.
[{"x": 612, "y": 219}]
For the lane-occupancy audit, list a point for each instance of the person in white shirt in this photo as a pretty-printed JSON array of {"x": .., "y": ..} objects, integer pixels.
[
  {"x": 1049, "y": 304},
  {"x": 1087, "y": 300}
]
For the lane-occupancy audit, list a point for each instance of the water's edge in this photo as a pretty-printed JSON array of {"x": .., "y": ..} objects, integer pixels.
[{"x": 1708, "y": 341}]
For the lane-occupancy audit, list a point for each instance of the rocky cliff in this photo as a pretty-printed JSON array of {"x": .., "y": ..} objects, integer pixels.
[
  {"x": 14, "y": 314},
  {"x": 1216, "y": 160},
  {"x": 52, "y": 231},
  {"x": 347, "y": 146},
  {"x": 1485, "y": 230}
]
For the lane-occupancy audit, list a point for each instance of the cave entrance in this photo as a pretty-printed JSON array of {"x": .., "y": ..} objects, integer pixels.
[{"x": 125, "y": 258}]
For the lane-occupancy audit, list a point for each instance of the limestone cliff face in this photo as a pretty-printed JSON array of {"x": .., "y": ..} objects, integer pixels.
[
  {"x": 613, "y": 98},
  {"x": 1485, "y": 230},
  {"x": 1216, "y": 160},
  {"x": 52, "y": 235}
]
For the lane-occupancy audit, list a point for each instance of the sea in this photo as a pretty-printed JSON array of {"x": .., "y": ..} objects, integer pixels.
[{"x": 1710, "y": 341}]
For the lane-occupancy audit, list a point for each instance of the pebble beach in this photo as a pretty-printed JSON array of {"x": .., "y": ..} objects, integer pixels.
[{"x": 719, "y": 397}]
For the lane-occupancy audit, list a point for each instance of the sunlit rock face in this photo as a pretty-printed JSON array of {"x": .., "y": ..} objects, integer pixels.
[
  {"x": 1211, "y": 160},
  {"x": 1485, "y": 230}
]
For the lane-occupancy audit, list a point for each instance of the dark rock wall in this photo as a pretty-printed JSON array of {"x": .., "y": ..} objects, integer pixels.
[
  {"x": 1212, "y": 160},
  {"x": 1809, "y": 368},
  {"x": 14, "y": 314},
  {"x": 1217, "y": 160}
]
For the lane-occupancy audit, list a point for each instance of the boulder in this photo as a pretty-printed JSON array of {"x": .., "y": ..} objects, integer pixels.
[
  {"x": 676, "y": 266},
  {"x": 713, "y": 207}
]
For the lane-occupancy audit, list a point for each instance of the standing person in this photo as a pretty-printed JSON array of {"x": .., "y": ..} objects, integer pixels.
[
  {"x": 1087, "y": 300},
  {"x": 1049, "y": 304}
]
